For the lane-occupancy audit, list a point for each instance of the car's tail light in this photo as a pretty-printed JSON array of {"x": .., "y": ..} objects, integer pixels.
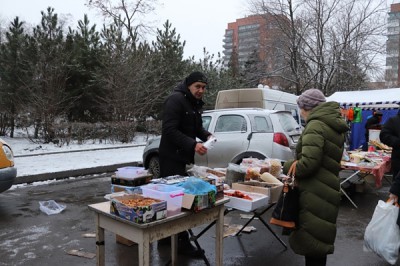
[{"x": 281, "y": 139}]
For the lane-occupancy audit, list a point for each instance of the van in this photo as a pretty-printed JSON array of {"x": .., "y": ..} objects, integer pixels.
[{"x": 265, "y": 98}]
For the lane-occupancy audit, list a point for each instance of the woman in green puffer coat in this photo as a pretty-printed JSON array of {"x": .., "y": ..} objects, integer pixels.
[{"x": 318, "y": 154}]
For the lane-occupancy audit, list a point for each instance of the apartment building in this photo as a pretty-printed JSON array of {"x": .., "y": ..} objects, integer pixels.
[
  {"x": 392, "y": 74},
  {"x": 259, "y": 35}
]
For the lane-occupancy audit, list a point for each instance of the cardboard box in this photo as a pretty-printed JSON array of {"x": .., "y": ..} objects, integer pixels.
[
  {"x": 132, "y": 182},
  {"x": 273, "y": 193},
  {"x": 258, "y": 200},
  {"x": 122, "y": 240},
  {"x": 142, "y": 214},
  {"x": 199, "y": 202},
  {"x": 127, "y": 189},
  {"x": 220, "y": 192}
]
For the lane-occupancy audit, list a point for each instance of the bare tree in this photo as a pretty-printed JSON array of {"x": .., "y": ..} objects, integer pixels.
[
  {"x": 333, "y": 44},
  {"x": 130, "y": 13}
]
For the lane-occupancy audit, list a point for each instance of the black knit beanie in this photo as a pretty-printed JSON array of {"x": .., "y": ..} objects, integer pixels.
[{"x": 196, "y": 77}]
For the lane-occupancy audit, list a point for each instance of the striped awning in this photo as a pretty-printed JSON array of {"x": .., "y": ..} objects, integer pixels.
[{"x": 369, "y": 99}]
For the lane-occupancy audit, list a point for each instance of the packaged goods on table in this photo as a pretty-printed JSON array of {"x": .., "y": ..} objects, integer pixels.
[
  {"x": 131, "y": 176},
  {"x": 127, "y": 189},
  {"x": 379, "y": 145},
  {"x": 267, "y": 170},
  {"x": 170, "y": 180},
  {"x": 245, "y": 201},
  {"x": 234, "y": 173},
  {"x": 173, "y": 195},
  {"x": 204, "y": 172},
  {"x": 131, "y": 172},
  {"x": 199, "y": 194},
  {"x": 275, "y": 168},
  {"x": 271, "y": 190},
  {"x": 138, "y": 209}
]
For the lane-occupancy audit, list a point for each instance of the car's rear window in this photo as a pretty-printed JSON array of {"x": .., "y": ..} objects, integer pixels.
[
  {"x": 229, "y": 123},
  {"x": 287, "y": 122},
  {"x": 262, "y": 124}
]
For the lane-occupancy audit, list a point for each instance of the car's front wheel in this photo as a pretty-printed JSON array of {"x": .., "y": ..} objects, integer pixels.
[{"x": 154, "y": 166}]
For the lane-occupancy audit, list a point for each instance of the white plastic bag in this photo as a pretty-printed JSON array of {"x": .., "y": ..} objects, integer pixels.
[
  {"x": 382, "y": 234},
  {"x": 51, "y": 207}
]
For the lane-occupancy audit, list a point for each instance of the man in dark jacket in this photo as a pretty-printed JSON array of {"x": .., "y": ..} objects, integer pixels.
[
  {"x": 182, "y": 123},
  {"x": 390, "y": 135}
]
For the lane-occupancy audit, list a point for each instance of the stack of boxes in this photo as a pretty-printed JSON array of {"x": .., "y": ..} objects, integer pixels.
[{"x": 129, "y": 179}]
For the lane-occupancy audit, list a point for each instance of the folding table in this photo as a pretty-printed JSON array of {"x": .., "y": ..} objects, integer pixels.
[
  {"x": 257, "y": 213},
  {"x": 356, "y": 172},
  {"x": 361, "y": 170},
  {"x": 144, "y": 234}
]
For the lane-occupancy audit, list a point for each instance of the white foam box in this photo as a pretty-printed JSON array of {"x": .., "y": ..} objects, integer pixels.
[
  {"x": 273, "y": 192},
  {"x": 258, "y": 200}
]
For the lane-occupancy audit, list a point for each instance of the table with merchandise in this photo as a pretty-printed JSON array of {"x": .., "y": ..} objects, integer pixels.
[
  {"x": 363, "y": 164},
  {"x": 146, "y": 233}
]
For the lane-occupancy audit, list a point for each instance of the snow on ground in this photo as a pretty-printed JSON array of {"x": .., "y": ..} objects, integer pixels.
[
  {"x": 50, "y": 163},
  {"x": 21, "y": 145}
]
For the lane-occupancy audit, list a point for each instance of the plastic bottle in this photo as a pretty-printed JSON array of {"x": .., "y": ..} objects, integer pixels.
[{"x": 209, "y": 144}]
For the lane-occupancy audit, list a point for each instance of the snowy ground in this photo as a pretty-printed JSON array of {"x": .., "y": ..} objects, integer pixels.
[{"x": 49, "y": 163}]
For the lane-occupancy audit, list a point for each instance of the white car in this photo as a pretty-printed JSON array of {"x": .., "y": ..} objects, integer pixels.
[{"x": 241, "y": 133}]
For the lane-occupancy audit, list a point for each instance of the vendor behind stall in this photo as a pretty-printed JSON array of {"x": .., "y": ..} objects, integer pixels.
[{"x": 373, "y": 122}]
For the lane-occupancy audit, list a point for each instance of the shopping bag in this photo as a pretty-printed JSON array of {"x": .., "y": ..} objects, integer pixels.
[
  {"x": 286, "y": 211},
  {"x": 382, "y": 234}
]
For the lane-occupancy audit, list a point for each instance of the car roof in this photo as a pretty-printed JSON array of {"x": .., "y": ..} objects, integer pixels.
[{"x": 244, "y": 111}]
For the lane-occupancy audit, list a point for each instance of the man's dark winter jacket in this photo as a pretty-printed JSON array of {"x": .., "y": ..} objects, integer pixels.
[
  {"x": 182, "y": 123},
  {"x": 390, "y": 135},
  {"x": 318, "y": 153}
]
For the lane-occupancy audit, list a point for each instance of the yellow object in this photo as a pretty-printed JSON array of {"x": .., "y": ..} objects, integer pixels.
[
  {"x": 275, "y": 168},
  {"x": 356, "y": 158},
  {"x": 267, "y": 177},
  {"x": 6, "y": 155}
]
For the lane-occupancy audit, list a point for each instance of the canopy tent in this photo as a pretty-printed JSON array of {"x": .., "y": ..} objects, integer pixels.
[
  {"x": 385, "y": 100},
  {"x": 368, "y": 99}
]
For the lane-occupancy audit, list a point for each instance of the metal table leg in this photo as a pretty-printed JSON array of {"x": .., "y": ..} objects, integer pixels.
[
  {"x": 344, "y": 192},
  {"x": 258, "y": 215}
]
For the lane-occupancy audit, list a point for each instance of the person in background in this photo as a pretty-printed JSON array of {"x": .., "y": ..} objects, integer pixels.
[
  {"x": 390, "y": 135},
  {"x": 181, "y": 124},
  {"x": 318, "y": 154},
  {"x": 373, "y": 122}
]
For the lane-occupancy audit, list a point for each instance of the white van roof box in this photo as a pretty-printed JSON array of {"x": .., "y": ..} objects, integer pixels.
[{"x": 251, "y": 97}]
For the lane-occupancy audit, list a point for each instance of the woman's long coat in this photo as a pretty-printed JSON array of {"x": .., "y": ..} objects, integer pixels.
[{"x": 318, "y": 153}]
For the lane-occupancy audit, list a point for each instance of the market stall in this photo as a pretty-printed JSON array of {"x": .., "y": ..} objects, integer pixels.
[
  {"x": 142, "y": 210},
  {"x": 364, "y": 164},
  {"x": 364, "y": 102},
  {"x": 144, "y": 234}
]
